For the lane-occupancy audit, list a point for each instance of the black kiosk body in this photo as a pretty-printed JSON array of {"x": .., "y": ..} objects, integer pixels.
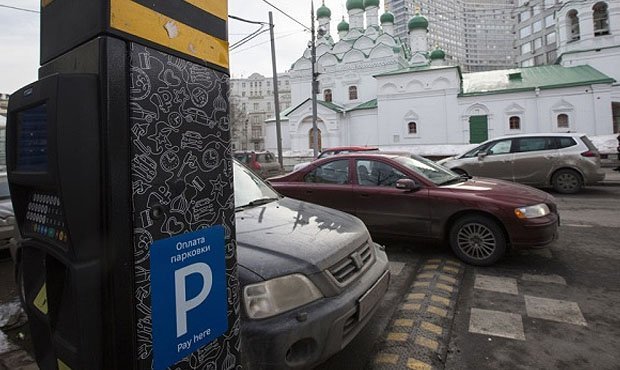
[{"x": 120, "y": 170}]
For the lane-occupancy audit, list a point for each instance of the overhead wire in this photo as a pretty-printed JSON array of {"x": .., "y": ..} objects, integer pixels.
[{"x": 19, "y": 8}]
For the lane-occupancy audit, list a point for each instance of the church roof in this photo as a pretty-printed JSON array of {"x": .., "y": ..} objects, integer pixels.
[
  {"x": 412, "y": 69},
  {"x": 530, "y": 78},
  {"x": 335, "y": 107},
  {"x": 371, "y": 104}
]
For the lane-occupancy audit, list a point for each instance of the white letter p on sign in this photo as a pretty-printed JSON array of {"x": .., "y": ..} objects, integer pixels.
[{"x": 183, "y": 305}]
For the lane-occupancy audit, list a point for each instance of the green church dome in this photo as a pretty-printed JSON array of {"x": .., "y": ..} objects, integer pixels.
[
  {"x": 387, "y": 17},
  {"x": 323, "y": 12},
  {"x": 355, "y": 4},
  {"x": 418, "y": 22},
  {"x": 369, "y": 3},
  {"x": 343, "y": 25},
  {"x": 438, "y": 54}
]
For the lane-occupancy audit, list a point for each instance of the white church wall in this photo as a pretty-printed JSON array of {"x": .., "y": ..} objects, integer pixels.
[{"x": 361, "y": 128}]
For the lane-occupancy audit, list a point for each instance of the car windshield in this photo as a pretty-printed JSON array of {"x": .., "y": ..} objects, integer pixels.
[
  {"x": 250, "y": 190},
  {"x": 428, "y": 169}
]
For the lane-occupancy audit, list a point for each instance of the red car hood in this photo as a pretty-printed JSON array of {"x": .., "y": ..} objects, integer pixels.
[{"x": 502, "y": 190}]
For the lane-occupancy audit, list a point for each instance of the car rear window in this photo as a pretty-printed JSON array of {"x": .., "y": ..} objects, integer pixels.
[
  {"x": 265, "y": 158},
  {"x": 564, "y": 142}
]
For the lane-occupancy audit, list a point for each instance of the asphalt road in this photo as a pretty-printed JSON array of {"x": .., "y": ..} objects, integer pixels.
[{"x": 552, "y": 308}]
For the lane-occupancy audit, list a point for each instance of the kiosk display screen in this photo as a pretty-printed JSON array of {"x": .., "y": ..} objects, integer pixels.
[{"x": 32, "y": 140}]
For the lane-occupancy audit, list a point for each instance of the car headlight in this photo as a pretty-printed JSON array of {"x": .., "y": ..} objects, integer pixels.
[
  {"x": 279, "y": 295},
  {"x": 538, "y": 210}
]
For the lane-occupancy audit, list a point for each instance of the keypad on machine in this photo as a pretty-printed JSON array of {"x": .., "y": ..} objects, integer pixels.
[{"x": 44, "y": 217}]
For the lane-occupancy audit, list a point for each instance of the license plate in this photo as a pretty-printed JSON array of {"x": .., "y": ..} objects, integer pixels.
[{"x": 368, "y": 301}]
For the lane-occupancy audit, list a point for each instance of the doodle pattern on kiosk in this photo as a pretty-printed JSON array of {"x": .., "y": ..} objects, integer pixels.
[{"x": 181, "y": 176}]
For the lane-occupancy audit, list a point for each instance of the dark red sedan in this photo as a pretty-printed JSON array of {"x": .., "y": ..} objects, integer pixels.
[{"x": 412, "y": 197}]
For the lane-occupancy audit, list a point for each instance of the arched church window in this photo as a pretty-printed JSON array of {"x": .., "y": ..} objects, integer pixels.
[
  {"x": 573, "y": 25},
  {"x": 352, "y": 92},
  {"x": 600, "y": 17},
  {"x": 327, "y": 95},
  {"x": 563, "y": 120},
  {"x": 413, "y": 128},
  {"x": 514, "y": 123},
  {"x": 311, "y": 139}
]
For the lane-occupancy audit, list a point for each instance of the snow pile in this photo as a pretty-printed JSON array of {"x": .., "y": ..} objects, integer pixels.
[{"x": 605, "y": 144}]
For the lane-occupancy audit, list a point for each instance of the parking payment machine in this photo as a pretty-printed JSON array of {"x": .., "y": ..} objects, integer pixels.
[
  {"x": 120, "y": 170},
  {"x": 55, "y": 182}
]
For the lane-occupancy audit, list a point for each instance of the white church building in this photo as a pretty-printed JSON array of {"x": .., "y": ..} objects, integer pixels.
[{"x": 378, "y": 90}]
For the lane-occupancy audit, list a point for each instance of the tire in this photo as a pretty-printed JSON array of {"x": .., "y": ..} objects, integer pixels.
[
  {"x": 567, "y": 181},
  {"x": 477, "y": 240}
]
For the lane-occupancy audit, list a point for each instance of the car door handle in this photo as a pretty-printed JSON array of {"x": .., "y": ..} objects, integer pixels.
[
  {"x": 308, "y": 191},
  {"x": 365, "y": 195}
]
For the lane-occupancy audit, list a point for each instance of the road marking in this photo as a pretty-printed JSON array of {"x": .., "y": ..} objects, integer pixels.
[
  {"x": 434, "y": 260},
  {"x": 428, "y": 343},
  {"x": 386, "y": 358},
  {"x": 496, "y": 323},
  {"x": 554, "y": 310},
  {"x": 553, "y": 279},
  {"x": 578, "y": 225},
  {"x": 421, "y": 284},
  {"x": 442, "y": 300},
  {"x": 453, "y": 270},
  {"x": 496, "y": 284},
  {"x": 431, "y": 327},
  {"x": 454, "y": 263},
  {"x": 430, "y": 267},
  {"x": 414, "y": 364},
  {"x": 437, "y": 311},
  {"x": 398, "y": 337},
  {"x": 408, "y": 323}
]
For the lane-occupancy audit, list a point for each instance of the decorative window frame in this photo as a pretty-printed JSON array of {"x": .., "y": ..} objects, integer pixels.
[
  {"x": 357, "y": 93},
  {"x": 514, "y": 110},
  {"x": 563, "y": 107},
  {"x": 411, "y": 117}
]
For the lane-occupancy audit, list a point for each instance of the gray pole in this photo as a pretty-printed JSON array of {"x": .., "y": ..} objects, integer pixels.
[
  {"x": 315, "y": 131},
  {"x": 276, "y": 95}
]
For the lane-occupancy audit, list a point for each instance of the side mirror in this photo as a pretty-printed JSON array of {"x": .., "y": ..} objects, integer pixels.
[
  {"x": 407, "y": 184},
  {"x": 481, "y": 155}
]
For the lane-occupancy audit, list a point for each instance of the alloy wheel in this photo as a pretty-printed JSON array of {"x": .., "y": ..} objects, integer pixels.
[{"x": 476, "y": 241}]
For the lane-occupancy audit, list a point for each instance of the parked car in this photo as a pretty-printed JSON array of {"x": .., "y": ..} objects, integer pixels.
[
  {"x": 337, "y": 150},
  {"x": 310, "y": 277},
  {"x": 415, "y": 198},
  {"x": 263, "y": 163},
  {"x": 8, "y": 228},
  {"x": 566, "y": 162}
]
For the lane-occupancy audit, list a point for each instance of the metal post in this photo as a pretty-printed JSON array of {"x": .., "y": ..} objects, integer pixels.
[
  {"x": 276, "y": 94},
  {"x": 315, "y": 131}
]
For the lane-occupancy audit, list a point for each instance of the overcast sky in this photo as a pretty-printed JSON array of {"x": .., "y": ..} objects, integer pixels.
[{"x": 19, "y": 38}]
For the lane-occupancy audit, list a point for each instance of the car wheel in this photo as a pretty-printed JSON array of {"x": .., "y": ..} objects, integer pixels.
[
  {"x": 477, "y": 240},
  {"x": 567, "y": 181}
]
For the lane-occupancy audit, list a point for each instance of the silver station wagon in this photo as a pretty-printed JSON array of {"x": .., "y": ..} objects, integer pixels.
[{"x": 566, "y": 162}]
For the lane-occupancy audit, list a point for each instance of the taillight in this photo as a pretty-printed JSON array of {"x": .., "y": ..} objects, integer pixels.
[{"x": 589, "y": 154}]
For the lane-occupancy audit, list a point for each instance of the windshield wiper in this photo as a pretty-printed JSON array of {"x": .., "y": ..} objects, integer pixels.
[
  {"x": 257, "y": 202},
  {"x": 455, "y": 179}
]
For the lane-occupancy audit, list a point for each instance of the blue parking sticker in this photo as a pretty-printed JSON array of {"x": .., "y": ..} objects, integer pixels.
[{"x": 188, "y": 287}]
